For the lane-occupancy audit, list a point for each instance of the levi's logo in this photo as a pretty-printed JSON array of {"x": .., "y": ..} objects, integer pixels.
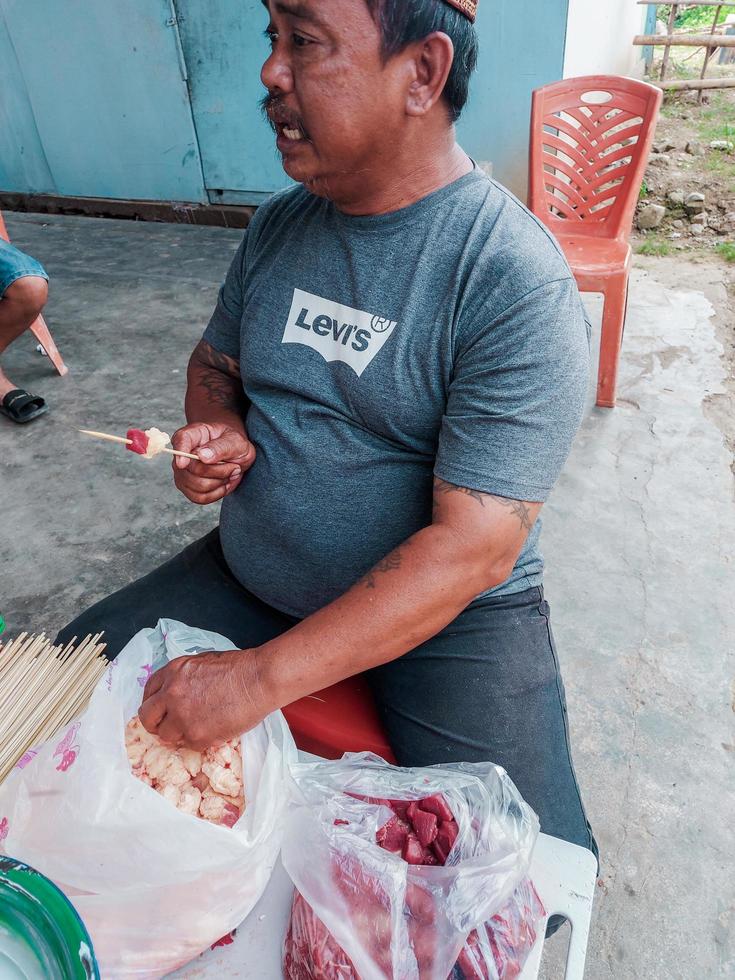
[{"x": 337, "y": 332}]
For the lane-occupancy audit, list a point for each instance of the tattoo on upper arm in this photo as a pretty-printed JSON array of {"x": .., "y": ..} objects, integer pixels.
[
  {"x": 207, "y": 355},
  {"x": 519, "y": 508},
  {"x": 219, "y": 389},
  {"x": 219, "y": 375},
  {"x": 388, "y": 564}
]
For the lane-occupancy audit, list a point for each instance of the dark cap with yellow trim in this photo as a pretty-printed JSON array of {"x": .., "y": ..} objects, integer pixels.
[{"x": 466, "y": 7}]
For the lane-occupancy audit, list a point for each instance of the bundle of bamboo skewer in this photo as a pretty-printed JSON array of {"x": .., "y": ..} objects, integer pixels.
[{"x": 42, "y": 688}]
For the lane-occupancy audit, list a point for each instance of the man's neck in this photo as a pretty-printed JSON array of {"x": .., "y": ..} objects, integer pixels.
[{"x": 410, "y": 177}]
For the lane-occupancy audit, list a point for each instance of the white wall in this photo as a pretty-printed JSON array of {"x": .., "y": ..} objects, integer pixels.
[{"x": 600, "y": 35}]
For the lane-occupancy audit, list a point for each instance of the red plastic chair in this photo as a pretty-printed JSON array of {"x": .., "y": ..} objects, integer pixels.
[
  {"x": 39, "y": 328},
  {"x": 343, "y": 718},
  {"x": 590, "y": 142}
]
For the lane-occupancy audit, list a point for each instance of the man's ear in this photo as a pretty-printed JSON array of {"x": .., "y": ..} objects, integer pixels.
[{"x": 432, "y": 62}]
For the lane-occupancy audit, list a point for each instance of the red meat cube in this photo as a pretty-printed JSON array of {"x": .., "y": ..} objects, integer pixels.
[
  {"x": 450, "y": 830},
  {"x": 400, "y": 808},
  {"x": 426, "y": 826},
  {"x": 413, "y": 852},
  {"x": 445, "y": 838},
  {"x": 437, "y": 805},
  {"x": 139, "y": 441},
  {"x": 393, "y": 835}
]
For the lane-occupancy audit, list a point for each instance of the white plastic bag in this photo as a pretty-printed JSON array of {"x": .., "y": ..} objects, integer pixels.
[
  {"x": 394, "y": 920},
  {"x": 154, "y": 886}
]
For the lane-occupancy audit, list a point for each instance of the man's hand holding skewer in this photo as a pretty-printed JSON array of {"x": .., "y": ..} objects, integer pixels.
[{"x": 226, "y": 454}]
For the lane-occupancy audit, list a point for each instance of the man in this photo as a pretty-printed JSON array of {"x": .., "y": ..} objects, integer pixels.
[
  {"x": 383, "y": 399},
  {"x": 23, "y": 294}
]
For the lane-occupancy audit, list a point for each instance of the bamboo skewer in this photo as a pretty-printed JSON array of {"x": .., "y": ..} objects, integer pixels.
[
  {"x": 42, "y": 688},
  {"x": 129, "y": 442}
]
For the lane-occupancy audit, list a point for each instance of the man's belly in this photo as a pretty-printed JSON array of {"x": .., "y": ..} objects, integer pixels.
[{"x": 300, "y": 535}]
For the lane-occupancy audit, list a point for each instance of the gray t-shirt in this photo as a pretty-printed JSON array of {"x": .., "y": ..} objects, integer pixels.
[{"x": 446, "y": 338}]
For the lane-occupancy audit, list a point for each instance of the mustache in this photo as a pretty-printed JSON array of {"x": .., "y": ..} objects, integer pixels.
[{"x": 278, "y": 114}]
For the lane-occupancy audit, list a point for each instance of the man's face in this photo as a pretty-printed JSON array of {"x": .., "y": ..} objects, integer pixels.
[{"x": 337, "y": 109}]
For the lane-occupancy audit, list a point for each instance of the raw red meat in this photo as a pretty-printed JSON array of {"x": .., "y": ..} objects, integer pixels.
[
  {"x": 423, "y": 832},
  {"x": 393, "y": 835},
  {"x": 413, "y": 852},
  {"x": 400, "y": 807},
  {"x": 139, "y": 441},
  {"x": 311, "y": 952},
  {"x": 508, "y": 937},
  {"x": 231, "y": 816},
  {"x": 437, "y": 805},
  {"x": 446, "y": 836},
  {"x": 426, "y": 826}
]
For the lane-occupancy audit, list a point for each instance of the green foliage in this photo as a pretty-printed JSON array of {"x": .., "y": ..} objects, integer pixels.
[
  {"x": 721, "y": 131},
  {"x": 717, "y": 121},
  {"x": 727, "y": 251},
  {"x": 694, "y": 18},
  {"x": 721, "y": 164},
  {"x": 654, "y": 246},
  {"x": 643, "y": 194}
]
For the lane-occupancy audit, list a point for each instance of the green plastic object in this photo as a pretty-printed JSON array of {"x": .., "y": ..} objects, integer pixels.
[
  {"x": 2, "y": 625},
  {"x": 41, "y": 934}
]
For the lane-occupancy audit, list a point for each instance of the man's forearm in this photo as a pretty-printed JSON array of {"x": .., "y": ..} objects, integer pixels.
[
  {"x": 214, "y": 390},
  {"x": 406, "y": 599}
]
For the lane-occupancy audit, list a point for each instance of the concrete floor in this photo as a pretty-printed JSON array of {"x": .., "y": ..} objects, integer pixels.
[{"x": 639, "y": 542}]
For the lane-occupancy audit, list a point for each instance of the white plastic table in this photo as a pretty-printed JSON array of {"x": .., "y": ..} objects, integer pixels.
[{"x": 564, "y": 876}]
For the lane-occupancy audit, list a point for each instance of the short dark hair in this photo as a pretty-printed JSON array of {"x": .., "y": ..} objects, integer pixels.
[{"x": 403, "y": 21}]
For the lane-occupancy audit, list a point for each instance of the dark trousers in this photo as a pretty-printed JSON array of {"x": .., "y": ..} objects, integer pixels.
[{"x": 487, "y": 688}]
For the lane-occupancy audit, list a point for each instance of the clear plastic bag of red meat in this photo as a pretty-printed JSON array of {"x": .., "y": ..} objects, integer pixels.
[{"x": 408, "y": 874}]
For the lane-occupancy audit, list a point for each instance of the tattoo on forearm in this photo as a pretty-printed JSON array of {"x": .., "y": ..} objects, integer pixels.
[
  {"x": 389, "y": 564},
  {"x": 519, "y": 508}
]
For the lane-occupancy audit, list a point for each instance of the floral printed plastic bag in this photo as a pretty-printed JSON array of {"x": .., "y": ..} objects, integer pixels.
[{"x": 154, "y": 886}]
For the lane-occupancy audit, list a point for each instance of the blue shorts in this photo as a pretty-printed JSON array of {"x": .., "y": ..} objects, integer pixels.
[{"x": 15, "y": 264}]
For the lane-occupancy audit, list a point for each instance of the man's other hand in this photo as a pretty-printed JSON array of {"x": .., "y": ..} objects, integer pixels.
[
  {"x": 226, "y": 455},
  {"x": 204, "y": 700}
]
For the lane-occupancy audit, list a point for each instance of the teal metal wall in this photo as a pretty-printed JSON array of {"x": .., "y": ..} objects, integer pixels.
[
  {"x": 522, "y": 46},
  {"x": 157, "y": 99},
  {"x": 98, "y": 90}
]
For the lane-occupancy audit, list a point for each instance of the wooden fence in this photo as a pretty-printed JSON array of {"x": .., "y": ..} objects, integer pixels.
[{"x": 711, "y": 42}]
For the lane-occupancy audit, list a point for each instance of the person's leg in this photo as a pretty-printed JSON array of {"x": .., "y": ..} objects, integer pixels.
[
  {"x": 488, "y": 689},
  {"x": 197, "y": 588},
  {"x": 20, "y": 305}
]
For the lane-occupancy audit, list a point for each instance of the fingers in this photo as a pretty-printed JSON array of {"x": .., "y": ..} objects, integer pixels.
[
  {"x": 153, "y": 684},
  {"x": 201, "y": 485},
  {"x": 201, "y": 490},
  {"x": 207, "y": 498},
  {"x": 188, "y": 440},
  {"x": 170, "y": 733},
  {"x": 152, "y": 713},
  {"x": 232, "y": 447},
  {"x": 225, "y": 454},
  {"x": 213, "y": 471}
]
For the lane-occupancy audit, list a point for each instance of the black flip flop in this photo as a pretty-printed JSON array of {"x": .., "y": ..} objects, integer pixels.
[{"x": 21, "y": 407}]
